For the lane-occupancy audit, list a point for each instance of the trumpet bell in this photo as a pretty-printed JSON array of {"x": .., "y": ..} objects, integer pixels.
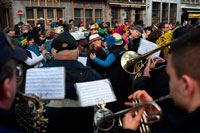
[
  {"x": 127, "y": 62},
  {"x": 104, "y": 126}
]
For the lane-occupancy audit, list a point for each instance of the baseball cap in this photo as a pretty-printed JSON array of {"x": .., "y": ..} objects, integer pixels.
[
  {"x": 67, "y": 38},
  {"x": 8, "y": 50},
  {"x": 138, "y": 28}
]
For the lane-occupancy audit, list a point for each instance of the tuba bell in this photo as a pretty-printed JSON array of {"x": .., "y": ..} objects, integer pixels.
[{"x": 132, "y": 63}]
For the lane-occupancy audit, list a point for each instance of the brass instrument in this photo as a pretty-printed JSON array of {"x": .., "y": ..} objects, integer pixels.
[
  {"x": 105, "y": 120},
  {"x": 29, "y": 113},
  {"x": 144, "y": 128},
  {"x": 131, "y": 62}
]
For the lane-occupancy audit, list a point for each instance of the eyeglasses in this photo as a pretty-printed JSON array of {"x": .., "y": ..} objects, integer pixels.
[{"x": 19, "y": 71}]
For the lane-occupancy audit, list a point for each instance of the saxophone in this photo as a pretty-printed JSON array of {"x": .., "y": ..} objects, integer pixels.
[{"x": 29, "y": 113}]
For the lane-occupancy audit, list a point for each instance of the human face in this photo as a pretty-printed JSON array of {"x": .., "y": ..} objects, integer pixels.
[
  {"x": 11, "y": 33},
  {"x": 94, "y": 31},
  {"x": 176, "y": 85},
  {"x": 148, "y": 32},
  {"x": 31, "y": 42},
  {"x": 135, "y": 33},
  {"x": 126, "y": 33},
  {"x": 166, "y": 28},
  {"x": 97, "y": 43}
]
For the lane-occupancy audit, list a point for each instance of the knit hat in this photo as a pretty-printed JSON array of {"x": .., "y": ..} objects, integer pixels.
[{"x": 138, "y": 28}]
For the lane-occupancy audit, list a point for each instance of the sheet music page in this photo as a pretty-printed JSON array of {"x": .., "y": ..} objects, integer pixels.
[
  {"x": 46, "y": 83},
  {"x": 83, "y": 60},
  {"x": 95, "y": 92},
  {"x": 146, "y": 46}
]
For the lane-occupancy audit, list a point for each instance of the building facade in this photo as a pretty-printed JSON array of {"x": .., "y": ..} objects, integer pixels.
[
  {"x": 5, "y": 14},
  {"x": 162, "y": 11},
  {"x": 190, "y": 11},
  {"x": 122, "y": 11}
]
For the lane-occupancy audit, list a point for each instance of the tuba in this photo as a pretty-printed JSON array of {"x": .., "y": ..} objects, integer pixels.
[{"x": 29, "y": 113}]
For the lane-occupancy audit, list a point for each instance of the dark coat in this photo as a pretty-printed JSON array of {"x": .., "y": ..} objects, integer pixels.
[
  {"x": 120, "y": 80},
  {"x": 72, "y": 119},
  {"x": 101, "y": 55}
]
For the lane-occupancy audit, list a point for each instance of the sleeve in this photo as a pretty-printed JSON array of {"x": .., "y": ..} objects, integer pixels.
[
  {"x": 108, "y": 61},
  {"x": 128, "y": 131},
  {"x": 35, "y": 60}
]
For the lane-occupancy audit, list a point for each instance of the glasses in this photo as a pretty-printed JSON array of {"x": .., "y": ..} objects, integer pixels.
[{"x": 19, "y": 71}]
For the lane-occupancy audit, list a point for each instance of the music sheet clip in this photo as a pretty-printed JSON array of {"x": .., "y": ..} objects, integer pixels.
[{"x": 95, "y": 92}]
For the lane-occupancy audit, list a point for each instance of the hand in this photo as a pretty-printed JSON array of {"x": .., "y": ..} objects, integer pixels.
[
  {"x": 92, "y": 56},
  {"x": 130, "y": 122},
  {"x": 126, "y": 47},
  {"x": 140, "y": 94},
  {"x": 159, "y": 60},
  {"x": 148, "y": 67},
  {"x": 44, "y": 52}
]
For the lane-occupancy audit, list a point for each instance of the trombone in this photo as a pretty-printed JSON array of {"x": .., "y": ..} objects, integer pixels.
[
  {"x": 131, "y": 62},
  {"x": 104, "y": 119}
]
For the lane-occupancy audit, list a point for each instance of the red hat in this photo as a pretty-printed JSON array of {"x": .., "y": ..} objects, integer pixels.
[{"x": 80, "y": 22}]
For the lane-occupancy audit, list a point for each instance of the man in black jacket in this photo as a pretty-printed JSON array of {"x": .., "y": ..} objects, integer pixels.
[
  {"x": 67, "y": 115},
  {"x": 8, "y": 54},
  {"x": 184, "y": 73},
  {"x": 136, "y": 34}
]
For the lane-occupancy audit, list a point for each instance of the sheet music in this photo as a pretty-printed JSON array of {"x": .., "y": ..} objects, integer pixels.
[
  {"x": 83, "y": 60},
  {"x": 146, "y": 46},
  {"x": 95, "y": 92},
  {"x": 46, "y": 83}
]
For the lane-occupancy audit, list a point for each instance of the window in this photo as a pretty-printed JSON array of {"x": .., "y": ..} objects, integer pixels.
[
  {"x": 156, "y": 13},
  {"x": 50, "y": 13},
  {"x": 127, "y": 16},
  {"x": 34, "y": 14},
  {"x": 87, "y": 15},
  {"x": 98, "y": 15},
  {"x": 173, "y": 12},
  {"x": 115, "y": 16},
  {"x": 59, "y": 13},
  {"x": 78, "y": 15},
  {"x": 165, "y": 12}
]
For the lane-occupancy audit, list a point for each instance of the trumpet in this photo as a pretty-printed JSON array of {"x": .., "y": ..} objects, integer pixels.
[
  {"x": 131, "y": 62},
  {"x": 104, "y": 119}
]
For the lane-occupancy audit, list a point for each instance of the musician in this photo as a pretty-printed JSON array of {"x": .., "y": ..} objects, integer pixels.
[
  {"x": 8, "y": 55},
  {"x": 67, "y": 115},
  {"x": 183, "y": 71}
]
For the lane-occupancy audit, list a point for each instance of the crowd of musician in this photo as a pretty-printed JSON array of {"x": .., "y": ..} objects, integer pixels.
[{"x": 54, "y": 44}]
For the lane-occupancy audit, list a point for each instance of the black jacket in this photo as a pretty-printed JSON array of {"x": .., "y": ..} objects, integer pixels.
[
  {"x": 101, "y": 55},
  {"x": 72, "y": 119}
]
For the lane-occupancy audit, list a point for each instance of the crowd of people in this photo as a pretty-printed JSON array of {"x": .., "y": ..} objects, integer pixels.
[{"x": 54, "y": 44}]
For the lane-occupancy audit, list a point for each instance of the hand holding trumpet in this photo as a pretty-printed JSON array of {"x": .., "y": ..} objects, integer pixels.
[{"x": 132, "y": 119}]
